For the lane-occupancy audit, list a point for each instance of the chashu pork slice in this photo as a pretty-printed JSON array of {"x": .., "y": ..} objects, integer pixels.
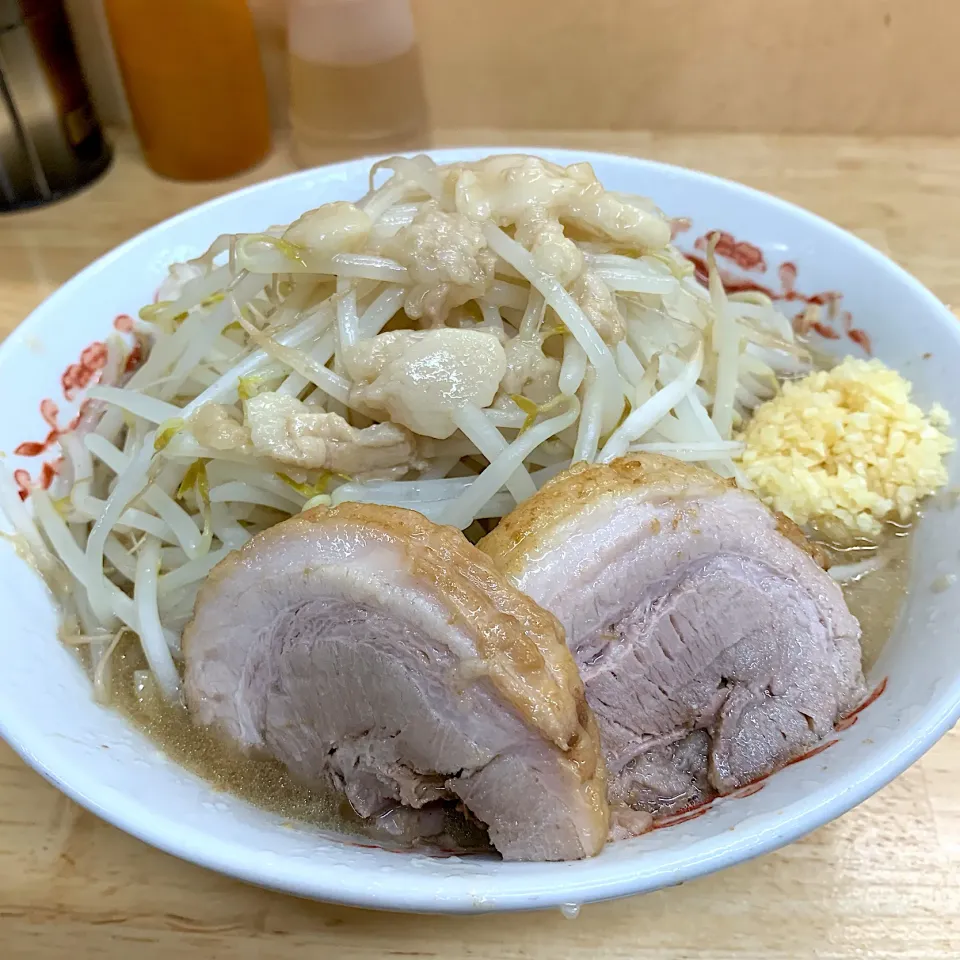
[
  {"x": 713, "y": 646},
  {"x": 373, "y": 651}
]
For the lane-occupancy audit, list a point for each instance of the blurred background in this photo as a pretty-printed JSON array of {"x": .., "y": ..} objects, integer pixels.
[
  {"x": 211, "y": 87},
  {"x": 817, "y": 66}
]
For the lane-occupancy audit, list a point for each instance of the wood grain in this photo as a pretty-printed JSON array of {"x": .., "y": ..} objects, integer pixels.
[
  {"x": 881, "y": 882},
  {"x": 815, "y": 66}
]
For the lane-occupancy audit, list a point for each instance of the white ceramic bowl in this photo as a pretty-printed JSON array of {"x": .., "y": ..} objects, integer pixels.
[{"x": 48, "y": 716}]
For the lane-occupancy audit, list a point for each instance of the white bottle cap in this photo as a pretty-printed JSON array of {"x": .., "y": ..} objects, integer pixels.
[{"x": 349, "y": 32}]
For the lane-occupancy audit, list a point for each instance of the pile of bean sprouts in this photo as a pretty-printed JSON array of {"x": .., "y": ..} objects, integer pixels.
[{"x": 142, "y": 511}]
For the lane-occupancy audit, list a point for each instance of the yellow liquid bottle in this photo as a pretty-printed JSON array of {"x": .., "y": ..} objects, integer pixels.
[
  {"x": 355, "y": 80},
  {"x": 192, "y": 73}
]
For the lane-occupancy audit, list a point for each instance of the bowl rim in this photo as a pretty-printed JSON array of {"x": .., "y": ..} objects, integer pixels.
[{"x": 516, "y": 886}]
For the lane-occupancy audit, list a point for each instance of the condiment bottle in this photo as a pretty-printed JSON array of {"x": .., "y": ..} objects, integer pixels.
[
  {"x": 192, "y": 73},
  {"x": 355, "y": 79},
  {"x": 50, "y": 141}
]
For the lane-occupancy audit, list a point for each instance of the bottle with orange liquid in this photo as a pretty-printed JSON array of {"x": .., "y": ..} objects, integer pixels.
[{"x": 192, "y": 73}]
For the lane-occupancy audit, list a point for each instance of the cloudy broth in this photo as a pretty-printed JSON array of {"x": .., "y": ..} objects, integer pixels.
[
  {"x": 263, "y": 782},
  {"x": 875, "y": 598}
]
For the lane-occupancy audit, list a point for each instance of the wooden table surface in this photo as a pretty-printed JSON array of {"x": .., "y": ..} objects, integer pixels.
[{"x": 883, "y": 881}]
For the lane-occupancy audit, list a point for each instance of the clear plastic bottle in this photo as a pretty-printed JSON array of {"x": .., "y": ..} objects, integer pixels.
[{"x": 355, "y": 80}]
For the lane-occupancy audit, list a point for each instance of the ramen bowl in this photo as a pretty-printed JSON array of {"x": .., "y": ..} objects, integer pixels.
[{"x": 91, "y": 753}]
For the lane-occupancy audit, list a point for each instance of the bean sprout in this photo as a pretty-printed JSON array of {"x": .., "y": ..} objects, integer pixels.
[{"x": 174, "y": 466}]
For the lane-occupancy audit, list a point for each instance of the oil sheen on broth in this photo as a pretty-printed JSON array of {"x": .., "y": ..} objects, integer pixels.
[
  {"x": 874, "y": 598},
  {"x": 264, "y": 782}
]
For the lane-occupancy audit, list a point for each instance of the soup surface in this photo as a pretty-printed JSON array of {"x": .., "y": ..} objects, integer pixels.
[{"x": 875, "y": 598}]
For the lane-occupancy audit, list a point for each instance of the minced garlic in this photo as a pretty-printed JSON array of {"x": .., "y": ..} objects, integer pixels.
[{"x": 846, "y": 443}]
